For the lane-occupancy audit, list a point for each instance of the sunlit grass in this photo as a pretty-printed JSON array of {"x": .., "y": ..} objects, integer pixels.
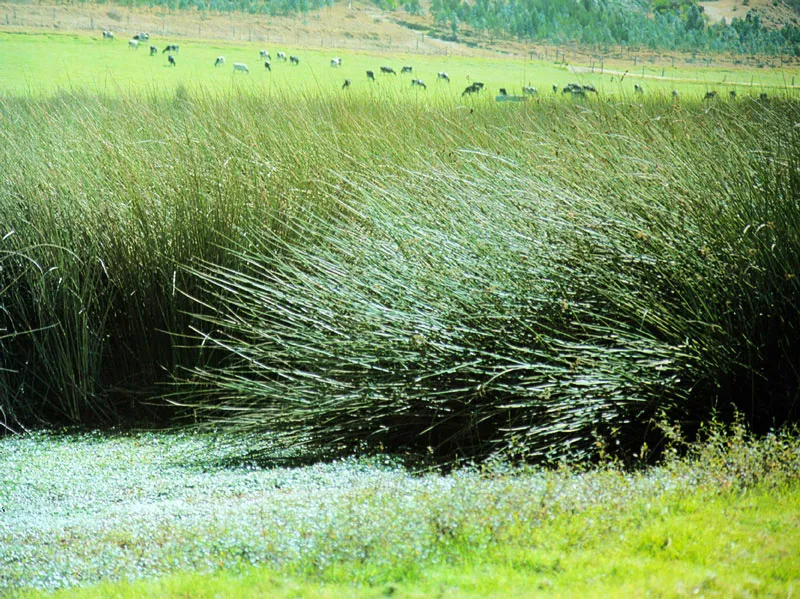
[{"x": 176, "y": 512}]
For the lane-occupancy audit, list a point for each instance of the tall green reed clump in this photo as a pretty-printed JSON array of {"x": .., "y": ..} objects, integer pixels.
[
  {"x": 542, "y": 279},
  {"x": 101, "y": 201},
  {"x": 542, "y": 283}
]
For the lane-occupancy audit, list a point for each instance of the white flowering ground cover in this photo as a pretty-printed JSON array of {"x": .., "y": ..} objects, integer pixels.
[{"x": 80, "y": 509}]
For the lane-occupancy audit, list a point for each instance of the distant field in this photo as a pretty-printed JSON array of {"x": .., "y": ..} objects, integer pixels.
[{"x": 44, "y": 63}]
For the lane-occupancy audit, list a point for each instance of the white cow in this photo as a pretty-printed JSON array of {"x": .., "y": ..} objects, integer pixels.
[
  {"x": 265, "y": 54},
  {"x": 220, "y": 60},
  {"x": 240, "y": 66},
  {"x": 336, "y": 62},
  {"x": 133, "y": 44}
]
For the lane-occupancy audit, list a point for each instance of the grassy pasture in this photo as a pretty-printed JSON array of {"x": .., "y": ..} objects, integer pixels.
[{"x": 45, "y": 62}]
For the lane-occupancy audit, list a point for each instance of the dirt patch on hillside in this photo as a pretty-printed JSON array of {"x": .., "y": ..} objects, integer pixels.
[{"x": 773, "y": 14}]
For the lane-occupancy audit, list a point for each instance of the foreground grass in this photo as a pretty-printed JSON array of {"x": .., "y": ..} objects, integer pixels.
[
  {"x": 177, "y": 516},
  {"x": 707, "y": 544}
]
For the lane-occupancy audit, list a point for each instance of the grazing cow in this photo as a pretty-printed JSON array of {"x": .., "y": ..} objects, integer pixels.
[
  {"x": 171, "y": 60},
  {"x": 763, "y": 96},
  {"x": 220, "y": 61},
  {"x": 268, "y": 65},
  {"x": 346, "y": 84},
  {"x": 443, "y": 75},
  {"x": 336, "y": 62},
  {"x": 675, "y": 94},
  {"x": 240, "y": 66},
  {"x": 405, "y": 70},
  {"x": 282, "y": 56},
  {"x": 388, "y": 70},
  {"x": 294, "y": 60},
  {"x": 108, "y": 35},
  {"x": 133, "y": 44},
  {"x": 472, "y": 88},
  {"x": 370, "y": 75},
  {"x": 529, "y": 90},
  {"x": 712, "y": 95},
  {"x": 577, "y": 90},
  {"x": 638, "y": 88},
  {"x": 418, "y": 83},
  {"x": 142, "y": 37},
  {"x": 265, "y": 55},
  {"x": 170, "y": 48},
  {"x": 732, "y": 94},
  {"x": 555, "y": 88},
  {"x": 153, "y": 50},
  {"x": 503, "y": 91},
  {"x": 590, "y": 88}
]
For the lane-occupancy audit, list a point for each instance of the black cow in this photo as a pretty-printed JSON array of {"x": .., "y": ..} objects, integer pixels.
[
  {"x": 153, "y": 50},
  {"x": 171, "y": 60},
  {"x": 268, "y": 65},
  {"x": 170, "y": 48},
  {"x": 418, "y": 83},
  {"x": 388, "y": 70},
  {"x": 405, "y": 70},
  {"x": 710, "y": 95},
  {"x": 346, "y": 84},
  {"x": 294, "y": 60},
  {"x": 472, "y": 88},
  {"x": 370, "y": 75}
]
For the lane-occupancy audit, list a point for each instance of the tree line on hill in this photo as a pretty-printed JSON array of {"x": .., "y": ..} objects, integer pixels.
[{"x": 661, "y": 24}]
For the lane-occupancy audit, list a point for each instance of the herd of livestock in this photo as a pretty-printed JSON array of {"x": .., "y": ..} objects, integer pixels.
[{"x": 474, "y": 87}]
